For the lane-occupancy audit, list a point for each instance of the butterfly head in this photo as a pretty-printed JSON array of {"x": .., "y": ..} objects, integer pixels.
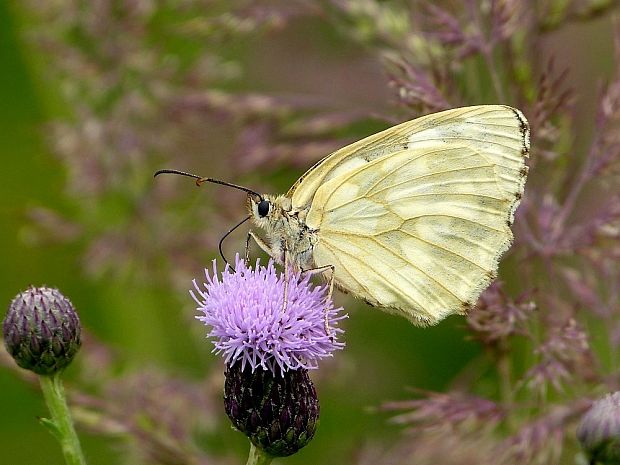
[
  {"x": 267, "y": 209},
  {"x": 285, "y": 233}
]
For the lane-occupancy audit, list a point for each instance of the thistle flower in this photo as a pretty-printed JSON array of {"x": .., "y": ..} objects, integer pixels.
[
  {"x": 268, "y": 348},
  {"x": 250, "y": 325},
  {"x": 599, "y": 430},
  {"x": 42, "y": 330}
]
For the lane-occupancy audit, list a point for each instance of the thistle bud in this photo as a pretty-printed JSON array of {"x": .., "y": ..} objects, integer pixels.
[
  {"x": 599, "y": 430},
  {"x": 42, "y": 330},
  {"x": 279, "y": 413}
]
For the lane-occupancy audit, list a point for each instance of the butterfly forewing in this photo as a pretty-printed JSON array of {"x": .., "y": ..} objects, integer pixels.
[{"x": 415, "y": 218}]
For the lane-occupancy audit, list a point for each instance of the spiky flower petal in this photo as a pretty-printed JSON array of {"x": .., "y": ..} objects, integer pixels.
[
  {"x": 250, "y": 324},
  {"x": 42, "y": 330}
]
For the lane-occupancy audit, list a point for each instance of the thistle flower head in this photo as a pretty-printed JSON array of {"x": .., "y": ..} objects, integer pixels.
[
  {"x": 42, "y": 330},
  {"x": 599, "y": 430},
  {"x": 250, "y": 324}
]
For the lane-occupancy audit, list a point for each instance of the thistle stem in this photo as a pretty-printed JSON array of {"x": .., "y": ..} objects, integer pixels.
[
  {"x": 61, "y": 423},
  {"x": 258, "y": 457}
]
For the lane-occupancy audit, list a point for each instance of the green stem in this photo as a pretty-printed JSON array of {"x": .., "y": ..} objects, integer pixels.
[
  {"x": 61, "y": 423},
  {"x": 258, "y": 457}
]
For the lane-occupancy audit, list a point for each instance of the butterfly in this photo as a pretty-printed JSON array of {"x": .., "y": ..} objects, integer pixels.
[{"x": 413, "y": 219}]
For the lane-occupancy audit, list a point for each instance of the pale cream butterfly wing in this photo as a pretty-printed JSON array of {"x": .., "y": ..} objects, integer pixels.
[{"x": 415, "y": 218}]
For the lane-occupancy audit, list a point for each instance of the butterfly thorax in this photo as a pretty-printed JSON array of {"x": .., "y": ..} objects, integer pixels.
[{"x": 286, "y": 231}]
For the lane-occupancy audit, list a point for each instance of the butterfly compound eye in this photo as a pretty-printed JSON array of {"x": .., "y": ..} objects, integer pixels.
[{"x": 263, "y": 208}]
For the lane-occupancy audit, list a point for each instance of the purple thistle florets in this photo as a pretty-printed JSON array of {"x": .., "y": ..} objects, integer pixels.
[{"x": 249, "y": 325}]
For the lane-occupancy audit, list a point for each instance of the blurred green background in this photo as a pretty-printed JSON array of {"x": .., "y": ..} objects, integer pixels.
[{"x": 146, "y": 324}]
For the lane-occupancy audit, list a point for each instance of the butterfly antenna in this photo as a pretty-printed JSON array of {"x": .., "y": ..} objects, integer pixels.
[
  {"x": 219, "y": 246},
  {"x": 201, "y": 179}
]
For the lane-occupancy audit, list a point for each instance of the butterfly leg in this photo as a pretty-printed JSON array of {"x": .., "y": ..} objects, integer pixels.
[
  {"x": 323, "y": 270},
  {"x": 286, "y": 278},
  {"x": 261, "y": 243}
]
